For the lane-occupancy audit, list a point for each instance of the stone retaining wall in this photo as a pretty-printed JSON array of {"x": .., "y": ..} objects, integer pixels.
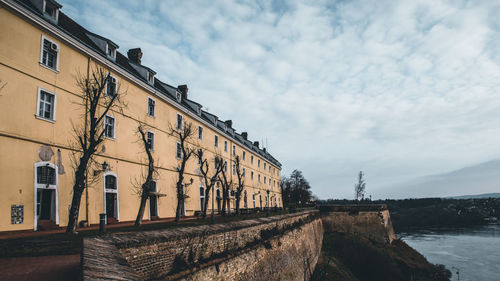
[
  {"x": 372, "y": 221},
  {"x": 261, "y": 249}
]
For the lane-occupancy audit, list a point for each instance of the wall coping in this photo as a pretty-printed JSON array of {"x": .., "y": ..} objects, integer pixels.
[
  {"x": 133, "y": 239},
  {"x": 353, "y": 208}
]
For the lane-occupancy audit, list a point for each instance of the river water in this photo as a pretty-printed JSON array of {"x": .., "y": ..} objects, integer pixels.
[{"x": 474, "y": 253}]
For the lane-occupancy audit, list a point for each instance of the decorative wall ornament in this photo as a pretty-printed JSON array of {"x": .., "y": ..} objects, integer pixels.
[
  {"x": 60, "y": 167},
  {"x": 45, "y": 153}
]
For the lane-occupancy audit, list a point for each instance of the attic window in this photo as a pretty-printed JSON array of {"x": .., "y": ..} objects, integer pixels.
[
  {"x": 178, "y": 95},
  {"x": 150, "y": 77},
  {"x": 50, "y": 10},
  {"x": 111, "y": 51},
  {"x": 199, "y": 110}
]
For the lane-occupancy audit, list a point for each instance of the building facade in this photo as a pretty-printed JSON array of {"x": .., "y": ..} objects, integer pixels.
[{"x": 42, "y": 53}]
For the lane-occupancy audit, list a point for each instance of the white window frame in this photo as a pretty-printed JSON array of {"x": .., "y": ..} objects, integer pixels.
[
  {"x": 116, "y": 84},
  {"x": 154, "y": 107},
  {"x": 178, "y": 145},
  {"x": 216, "y": 141},
  {"x": 251, "y": 159},
  {"x": 57, "y": 57},
  {"x": 225, "y": 166},
  {"x": 202, "y": 197},
  {"x": 114, "y": 128},
  {"x": 234, "y": 169},
  {"x": 200, "y": 132},
  {"x": 37, "y": 115},
  {"x": 57, "y": 10},
  {"x": 178, "y": 125},
  {"x": 152, "y": 148},
  {"x": 234, "y": 149},
  {"x": 225, "y": 146},
  {"x": 258, "y": 163},
  {"x": 109, "y": 173},
  {"x": 243, "y": 155},
  {"x": 243, "y": 172},
  {"x": 150, "y": 77},
  {"x": 44, "y": 186},
  {"x": 113, "y": 51}
]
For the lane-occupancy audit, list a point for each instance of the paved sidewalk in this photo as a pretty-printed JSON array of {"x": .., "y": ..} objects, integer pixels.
[
  {"x": 44, "y": 268},
  {"x": 31, "y": 233}
]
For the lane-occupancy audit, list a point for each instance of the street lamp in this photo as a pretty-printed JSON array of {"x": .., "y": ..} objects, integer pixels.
[{"x": 212, "y": 181}]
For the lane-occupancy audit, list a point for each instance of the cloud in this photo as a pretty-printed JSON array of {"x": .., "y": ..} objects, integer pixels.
[{"x": 397, "y": 89}]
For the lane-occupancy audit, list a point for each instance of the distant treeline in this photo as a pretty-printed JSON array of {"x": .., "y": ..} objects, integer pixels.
[{"x": 407, "y": 214}]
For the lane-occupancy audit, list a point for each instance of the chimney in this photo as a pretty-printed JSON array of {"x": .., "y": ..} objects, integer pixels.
[
  {"x": 244, "y": 135},
  {"x": 184, "y": 91},
  {"x": 229, "y": 123},
  {"x": 256, "y": 143},
  {"x": 264, "y": 150},
  {"x": 135, "y": 55}
]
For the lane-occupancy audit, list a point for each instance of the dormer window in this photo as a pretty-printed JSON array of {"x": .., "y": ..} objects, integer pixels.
[
  {"x": 50, "y": 10},
  {"x": 111, "y": 51},
  {"x": 199, "y": 110},
  {"x": 151, "y": 77},
  {"x": 178, "y": 95}
]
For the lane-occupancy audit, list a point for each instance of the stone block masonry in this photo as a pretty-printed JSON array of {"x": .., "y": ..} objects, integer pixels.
[
  {"x": 283, "y": 247},
  {"x": 371, "y": 221}
]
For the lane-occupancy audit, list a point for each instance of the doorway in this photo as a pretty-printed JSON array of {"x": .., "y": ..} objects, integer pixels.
[{"x": 46, "y": 196}]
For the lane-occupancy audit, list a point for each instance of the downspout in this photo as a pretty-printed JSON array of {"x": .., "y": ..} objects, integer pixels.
[{"x": 87, "y": 171}]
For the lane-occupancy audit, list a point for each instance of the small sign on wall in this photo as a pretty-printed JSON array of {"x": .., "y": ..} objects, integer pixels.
[{"x": 17, "y": 214}]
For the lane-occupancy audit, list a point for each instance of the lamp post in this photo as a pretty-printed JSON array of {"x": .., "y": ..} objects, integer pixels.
[{"x": 213, "y": 215}]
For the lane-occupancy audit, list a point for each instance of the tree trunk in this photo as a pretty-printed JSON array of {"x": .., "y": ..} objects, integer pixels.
[
  {"x": 74, "y": 210},
  {"x": 223, "y": 211},
  {"x": 207, "y": 198},
  {"x": 78, "y": 188},
  {"x": 142, "y": 207},
  {"x": 180, "y": 200},
  {"x": 237, "y": 204}
]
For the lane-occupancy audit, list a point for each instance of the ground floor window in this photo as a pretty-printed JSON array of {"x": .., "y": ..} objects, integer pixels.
[
  {"x": 111, "y": 197},
  {"x": 202, "y": 198},
  {"x": 153, "y": 202}
]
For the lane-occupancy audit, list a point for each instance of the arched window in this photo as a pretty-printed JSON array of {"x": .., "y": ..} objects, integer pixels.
[
  {"x": 202, "y": 198},
  {"x": 217, "y": 191},
  {"x": 111, "y": 202}
]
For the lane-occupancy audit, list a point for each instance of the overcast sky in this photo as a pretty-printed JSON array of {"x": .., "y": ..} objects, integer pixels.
[{"x": 397, "y": 89}]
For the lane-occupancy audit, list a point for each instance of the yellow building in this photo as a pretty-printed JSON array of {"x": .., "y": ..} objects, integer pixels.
[{"x": 42, "y": 51}]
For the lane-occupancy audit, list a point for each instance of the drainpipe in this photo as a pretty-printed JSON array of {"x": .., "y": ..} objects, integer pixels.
[{"x": 86, "y": 171}]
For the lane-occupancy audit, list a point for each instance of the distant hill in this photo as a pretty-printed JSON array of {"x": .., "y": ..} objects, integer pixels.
[
  {"x": 483, "y": 178},
  {"x": 484, "y": 195}
]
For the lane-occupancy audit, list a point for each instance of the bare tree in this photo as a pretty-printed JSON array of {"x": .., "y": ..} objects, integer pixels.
[
  {"x": 359, "y": 188},
  {"x": 240, "y": 184},
  {"x": 147, "y": 185},
  {"x": 98, "y": 98},
  {"x": 226, "y": 187},
  {"x": 209, "y": 177},
  {"x": 183, "y": 132}
]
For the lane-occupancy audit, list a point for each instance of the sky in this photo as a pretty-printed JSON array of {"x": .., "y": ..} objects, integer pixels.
[{"x": 400, "y": 90}]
